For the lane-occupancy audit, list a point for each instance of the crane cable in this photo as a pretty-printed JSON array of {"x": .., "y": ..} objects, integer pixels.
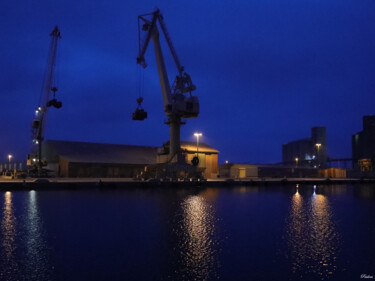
[{"x": 139, "y": 84}]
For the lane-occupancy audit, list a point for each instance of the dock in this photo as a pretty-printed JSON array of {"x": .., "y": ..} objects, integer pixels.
[{"x": 95, "y": 183}]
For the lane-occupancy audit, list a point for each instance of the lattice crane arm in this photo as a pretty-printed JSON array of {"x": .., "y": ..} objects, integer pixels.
[{"x": 39, "y": 123}]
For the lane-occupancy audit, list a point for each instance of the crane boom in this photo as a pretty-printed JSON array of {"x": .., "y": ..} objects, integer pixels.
[
  {"x": 170, "y": 44},
  {"x": 39, "y": 123}
]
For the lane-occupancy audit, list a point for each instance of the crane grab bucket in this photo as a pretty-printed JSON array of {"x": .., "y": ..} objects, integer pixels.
[{"x": 139, "y": 114}]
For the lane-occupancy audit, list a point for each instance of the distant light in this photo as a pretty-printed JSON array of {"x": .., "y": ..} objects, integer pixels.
[
  {"x": 34, "y": 159},
  {"x": 296, "y": 159},
  {"x": 10, "y": 156},
  {"x": 198, "y": 134},
  {"x": 314, "y": 186},
  {"x": 39, "y": 108},
  {"x": 226, "y": 161},
  {"x": 318, "y": 145}
]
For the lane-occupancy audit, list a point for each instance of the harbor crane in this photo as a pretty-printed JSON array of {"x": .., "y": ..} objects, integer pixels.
[
  {"x": 177, "y": 98},
  {"x": 48, "y": 99}
]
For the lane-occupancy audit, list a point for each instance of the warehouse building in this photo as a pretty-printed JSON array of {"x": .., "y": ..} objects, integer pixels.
[
  {"x": 208, "y": 156},
  {"x": 248, "y": 171},
  {"x": 307, "y": 152},
  {"x": 84, "y": 159}
]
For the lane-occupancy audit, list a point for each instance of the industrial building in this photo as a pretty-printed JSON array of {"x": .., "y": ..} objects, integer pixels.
[
  {"x": 363, "y": 146},
  {"x": 84, "y": 159},
  {"x": 307, "y": 152},
  {"x": 248, "y": 171},
  {"x": 11, "y": 166},
  {"x": 208, "y": 156},
  {"x": 333, "y": 173}
]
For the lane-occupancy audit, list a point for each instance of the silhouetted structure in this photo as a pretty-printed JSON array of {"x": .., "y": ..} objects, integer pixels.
[
  {"x": 307, "y": 152},
  {"x": 363, "y": 146}
]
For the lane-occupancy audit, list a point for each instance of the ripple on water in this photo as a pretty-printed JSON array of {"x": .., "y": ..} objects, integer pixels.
[{"x": 312, "y": 239}]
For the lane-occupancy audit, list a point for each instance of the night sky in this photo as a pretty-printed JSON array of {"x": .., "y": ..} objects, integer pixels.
[{"x": 266, "y": 71}]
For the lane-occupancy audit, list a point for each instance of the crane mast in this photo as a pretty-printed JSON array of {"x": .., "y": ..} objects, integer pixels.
[
  {"x": 39, "y": 123},
  {"x": 178, "y": 100}
]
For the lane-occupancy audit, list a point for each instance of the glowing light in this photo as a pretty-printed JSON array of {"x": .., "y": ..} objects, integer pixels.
[
  {"x": 318, "y": 145},
  {"x": 198, "y": 135},
  {"x": 197, "y": 237},
  {"x": 8, "y": 230},
  {"x": 226, "y": 161},
  {"x": 311, "y": 236}
]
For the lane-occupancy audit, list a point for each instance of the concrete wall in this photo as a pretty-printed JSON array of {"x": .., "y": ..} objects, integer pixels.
[
  {"x": 236, "y": 171},
  {"x": 98, "y": 170}
]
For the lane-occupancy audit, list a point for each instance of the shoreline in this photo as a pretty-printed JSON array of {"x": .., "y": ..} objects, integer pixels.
[{"x": 102, "y": 183}]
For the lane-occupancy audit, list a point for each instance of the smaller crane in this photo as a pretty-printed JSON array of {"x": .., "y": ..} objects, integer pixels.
[{"x": 34, "y": 159}]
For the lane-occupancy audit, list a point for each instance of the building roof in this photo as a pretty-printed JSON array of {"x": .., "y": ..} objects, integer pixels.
[
  {"x": 87, "y": 152},
  {"x": 192, "y": 147}
]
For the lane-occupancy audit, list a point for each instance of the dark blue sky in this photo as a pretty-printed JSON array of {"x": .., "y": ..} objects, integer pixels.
[{"x": 266, "y": 71}]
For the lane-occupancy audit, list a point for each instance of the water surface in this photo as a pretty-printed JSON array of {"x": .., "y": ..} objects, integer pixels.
[{"x": 238, "y": 233}]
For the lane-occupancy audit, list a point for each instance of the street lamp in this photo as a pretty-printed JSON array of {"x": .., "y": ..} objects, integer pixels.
[
  {"x": 197, "y": 135},
  {"x": 318, "y": 145},
  {"x": 296, "y": 161},
  {"x": 9, "y": 157}
]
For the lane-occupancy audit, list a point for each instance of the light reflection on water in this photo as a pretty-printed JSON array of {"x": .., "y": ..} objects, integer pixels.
[
  {"x": 311, "y": 235},
  {"x": 23, "y": 252},
  {"x": 36, "y": 263},
  {"x": 196, "y": 234},
  {"x": 8, "y": 246}
]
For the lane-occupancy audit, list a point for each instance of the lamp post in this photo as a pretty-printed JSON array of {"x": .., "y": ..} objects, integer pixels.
[
  {"x": 9, "y": 157},
  {"x": 296, "y": 161},
  {"x": 318, "y": 145},
  {"x": 197, "y": 135}
]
